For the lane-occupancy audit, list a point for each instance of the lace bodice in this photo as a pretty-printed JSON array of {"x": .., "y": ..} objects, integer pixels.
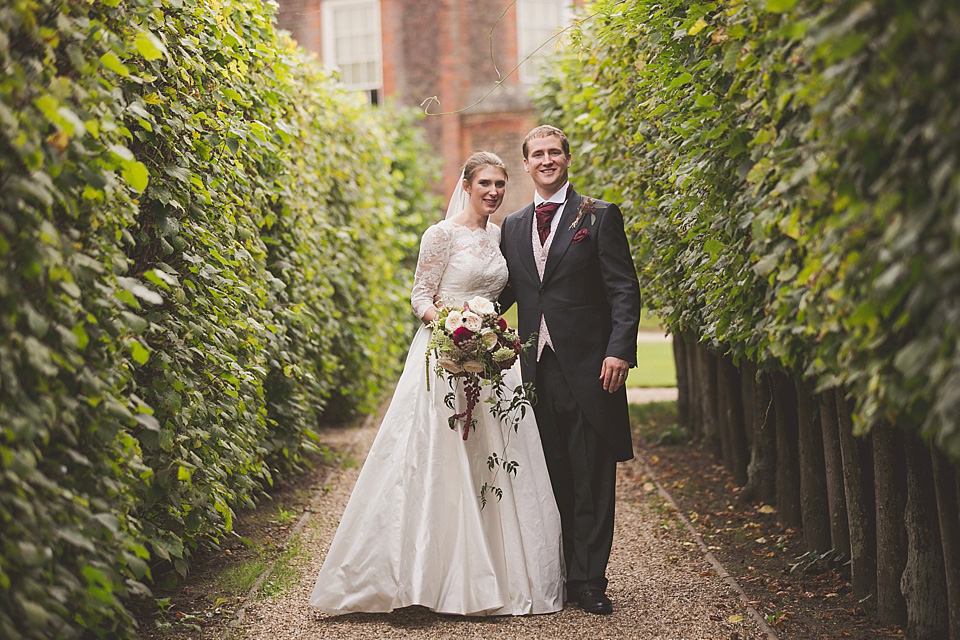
[{"x": 458, "y": 264}]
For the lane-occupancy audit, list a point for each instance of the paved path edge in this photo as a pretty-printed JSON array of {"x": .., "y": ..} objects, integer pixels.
[
  {"x": 241, "y": 612},
  {"x": 712, "y": 559}
]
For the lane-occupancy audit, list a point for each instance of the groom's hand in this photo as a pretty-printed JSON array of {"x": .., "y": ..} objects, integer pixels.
[{"x": 613, "y": 373}]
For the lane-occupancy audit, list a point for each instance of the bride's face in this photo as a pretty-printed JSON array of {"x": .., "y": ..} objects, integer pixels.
[{"x": 486, "y": 190}]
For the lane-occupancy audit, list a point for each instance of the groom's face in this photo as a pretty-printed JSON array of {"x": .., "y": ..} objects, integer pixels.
[{"x": 547, "y": 164}]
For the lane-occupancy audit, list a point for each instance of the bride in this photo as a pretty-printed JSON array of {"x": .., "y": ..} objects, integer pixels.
[{"x": 413, "y": 532}]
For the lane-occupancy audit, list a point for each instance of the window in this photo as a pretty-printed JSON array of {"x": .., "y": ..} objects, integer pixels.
[
  {"x": 351, "y": 43},
  {"x": 539, "y": 23}
]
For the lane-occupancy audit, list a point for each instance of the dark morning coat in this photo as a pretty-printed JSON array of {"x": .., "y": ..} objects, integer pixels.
[{"x": 590, "y": 298}]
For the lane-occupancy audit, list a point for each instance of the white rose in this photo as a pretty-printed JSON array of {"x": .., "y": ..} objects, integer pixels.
[
  {"x": 472, "y": 366},
  {"x": 480, "y": 305},
  {"x": 489, "y": 339},
  {"x": 454, "y": 321},
  {"x": 470, "y": 320},
  {"x": 449, "y": 365}
]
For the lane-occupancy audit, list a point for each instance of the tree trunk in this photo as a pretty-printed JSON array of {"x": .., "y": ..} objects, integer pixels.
[
  {"x": 788, "y": 461},
  {"x": 723, "y": 410},
  {"x": 814, "y": 506},
  {"x": 945, "y": 478},
  {"x": 707, "y": 383},
  {"x": 692, "y": 354},
  {"x": 891, "y": 488},
  {"x": 858, "y": 487},
  {"x": 683, "y": 382},
  {"x": 833, "y": 465},
  {"x": 762, "y": 470},
  {"x": 732, "y": 421},
  {"x": 748, "y": 382},
  {"x": 923, "y": 583}
]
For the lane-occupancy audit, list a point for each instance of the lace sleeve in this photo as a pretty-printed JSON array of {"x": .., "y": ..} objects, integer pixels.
[{"x": 434, "y": 251}]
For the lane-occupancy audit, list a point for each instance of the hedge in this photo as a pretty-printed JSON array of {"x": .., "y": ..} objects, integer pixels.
[
  {"x": 791, "y": 173},
  {"x": 204, "y": 251}
]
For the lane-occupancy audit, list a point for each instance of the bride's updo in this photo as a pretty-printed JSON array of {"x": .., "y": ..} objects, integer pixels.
[{"x": 482, "y": 159}]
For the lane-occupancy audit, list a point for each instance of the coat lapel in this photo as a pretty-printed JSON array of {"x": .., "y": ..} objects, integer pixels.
[
  {"x": 563, "y": 235},
  {"x": 526, "y": 244}
]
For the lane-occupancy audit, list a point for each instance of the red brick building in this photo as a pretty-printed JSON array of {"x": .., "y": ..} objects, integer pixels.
[{"x": 410, "y": 50}]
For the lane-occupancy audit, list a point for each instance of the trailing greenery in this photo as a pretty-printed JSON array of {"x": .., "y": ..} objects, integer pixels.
[
  {"x": 791, "y": 173},
  {"x": 200, "y": 239}
]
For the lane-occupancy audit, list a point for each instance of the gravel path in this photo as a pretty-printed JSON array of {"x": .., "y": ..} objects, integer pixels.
[
  {"x": 640, "y": 395},
  {"x": 662, "y": 584}
]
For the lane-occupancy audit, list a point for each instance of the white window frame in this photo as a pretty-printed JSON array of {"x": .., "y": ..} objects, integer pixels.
[
  {"x": 535, "y": 28},
  {"x": 328, "y": 10}
]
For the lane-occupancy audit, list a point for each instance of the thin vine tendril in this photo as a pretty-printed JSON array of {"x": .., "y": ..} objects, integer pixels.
[{"x": 428, "y": 102}]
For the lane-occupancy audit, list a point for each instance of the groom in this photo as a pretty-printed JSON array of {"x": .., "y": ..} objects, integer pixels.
[{"x": 574, "y": 282}]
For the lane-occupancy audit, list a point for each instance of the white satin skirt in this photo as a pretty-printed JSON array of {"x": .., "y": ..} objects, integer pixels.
[{"x": 414, "y": 533}]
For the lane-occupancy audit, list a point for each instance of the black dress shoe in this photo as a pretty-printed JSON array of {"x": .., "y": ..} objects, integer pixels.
[{"x": 595, "y": 601}]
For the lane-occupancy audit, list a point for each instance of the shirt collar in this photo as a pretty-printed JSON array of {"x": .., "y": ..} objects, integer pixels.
[{"x": 559, "y": 196}]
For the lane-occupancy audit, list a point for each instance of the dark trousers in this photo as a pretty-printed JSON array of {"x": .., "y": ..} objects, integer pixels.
[{"x": 583, "y": 472}]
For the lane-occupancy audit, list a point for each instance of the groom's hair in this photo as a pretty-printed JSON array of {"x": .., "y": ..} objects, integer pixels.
[{"x": 544, "y": 131}]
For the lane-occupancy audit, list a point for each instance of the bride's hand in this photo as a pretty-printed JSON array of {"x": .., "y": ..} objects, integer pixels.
[{"x": 432, "y": 314}]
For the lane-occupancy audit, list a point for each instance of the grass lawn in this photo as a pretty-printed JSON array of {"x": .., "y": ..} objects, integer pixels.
[
  {"x": 655, "y": 366},
  {"x": 654, "y": 359}
]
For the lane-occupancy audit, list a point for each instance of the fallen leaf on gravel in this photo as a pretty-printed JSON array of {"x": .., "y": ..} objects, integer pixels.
[
  {"x": 761, "y": 540},
  {"x": 648, "y": 487},
  {"x": 735, "y": 618},
  {"x": 766, "y": 509}
]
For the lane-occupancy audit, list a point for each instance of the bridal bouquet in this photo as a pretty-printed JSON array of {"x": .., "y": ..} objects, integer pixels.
[{"x": 473, "y": 344}]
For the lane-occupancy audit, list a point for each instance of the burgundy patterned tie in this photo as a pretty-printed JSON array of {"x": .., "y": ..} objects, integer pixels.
[{"x": 545, "y": 212}]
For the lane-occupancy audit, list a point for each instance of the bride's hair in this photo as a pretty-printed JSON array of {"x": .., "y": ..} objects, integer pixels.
[
  {"x": 482, "y": 159},
  {"x": 458, "y": 200}
]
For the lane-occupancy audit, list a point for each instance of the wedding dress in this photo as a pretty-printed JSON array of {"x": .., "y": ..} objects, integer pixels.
[{"x": 414, "y": 532}]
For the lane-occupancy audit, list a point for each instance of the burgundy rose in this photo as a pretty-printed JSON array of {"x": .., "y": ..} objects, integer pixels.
[
  {"x": 502, "y": 324},
  {"x": 580, "y": 235},
  {"x": 461, "y": 335}
]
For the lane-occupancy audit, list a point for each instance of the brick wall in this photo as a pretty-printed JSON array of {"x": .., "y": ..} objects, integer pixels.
[
  {"x": 442, "y": 48},
  {"x": 302, "y": 19}
]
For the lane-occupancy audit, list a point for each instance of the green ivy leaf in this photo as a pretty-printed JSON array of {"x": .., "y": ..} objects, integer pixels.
[
  {"x": 112, "y": 62},
  {"x": 139, "y": 352},
  {"x": 697, "y": 27},
  {"x": 780, "y": 6},
  {"x": 149, "y": 45},
  {"x": 136, "y": 175},
  {"x": 712, "y": 247}
]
